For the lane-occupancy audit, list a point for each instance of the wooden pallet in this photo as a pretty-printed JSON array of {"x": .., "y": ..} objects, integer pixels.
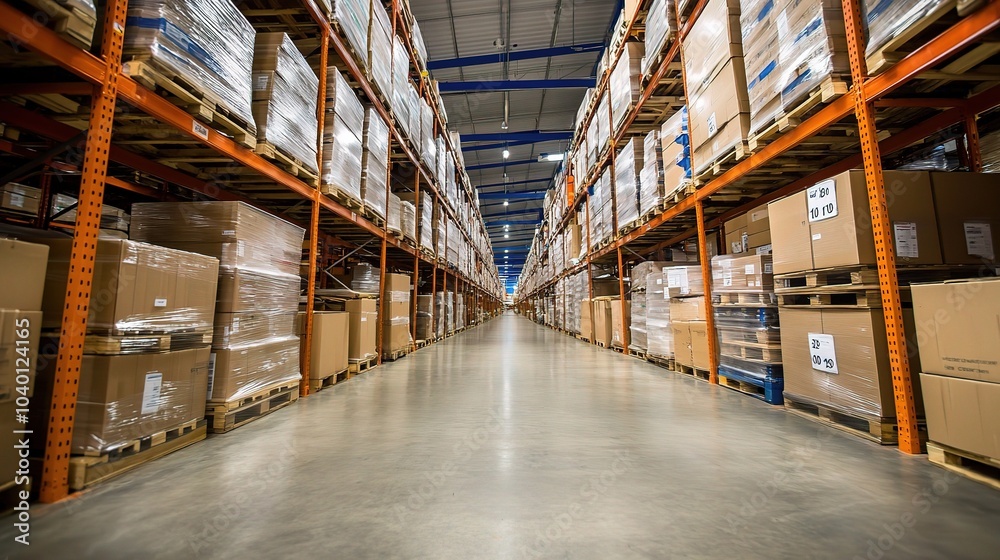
[
  {"x": 289, "y": 163},
  {"x": 692, "y": 371},
  {"x": 112, "y": 345},
  {"x": 893, "y": 51},
  {"x": 768, "y": 391},
  {"x": 328, "y": 381},
  {"x": 85, "y": 471},
  {"x": 74, "y": 25},
  {"x": 849, "y": 277},
  {"x": 752, "y": 352},
  {"x": 393, "y": 356},
  {"x": 860, "y": 299},
  {"x": 680, "y": 193},
  {"x": 829, "y": 89},
  {"x": 641, "y": 354},
  {"x": 723, "y": 163},
  {"x": 883, "y": 431},
  {"x": 356, "y": 367},
  {"x": 203, "y": 105},
  {"x": 741, "y": 336},
  {"x": 343, "y": 197},
  {"x": 746, "y": 299},
  {"x": 970, "y": 465},
  {"x": 664, "y": 362},
  {"x": 225, "y": 417},
  {"x": 373, "y": 216},
  {"x": 583, "y": 338}
]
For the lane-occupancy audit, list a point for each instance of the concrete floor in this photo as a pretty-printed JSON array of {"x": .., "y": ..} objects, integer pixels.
[{"x": 513, "y": 441}]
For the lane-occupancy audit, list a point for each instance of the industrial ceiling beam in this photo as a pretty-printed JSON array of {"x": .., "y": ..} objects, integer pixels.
[
  {"x": 509, "y": 183},
  {"x": 506, "y": 164},
  {"x": 495, "y": 58},
  {"x": 538, "y": 194},
  {"x": 515, "y": 85},
  {"x": 532, "y": 135}
]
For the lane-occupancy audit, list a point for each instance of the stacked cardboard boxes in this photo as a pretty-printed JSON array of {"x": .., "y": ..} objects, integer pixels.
[
  {"x": 395, "y": 314},
  {"x": 659, "y": 335},
  {"x": 352, "y": 18},
  {"x": 425, "y": 317},
  {"x": 639, "y": 283},
  {"x": 685, "y": 287},
  {"x": 676, "y": 152},
  {"x": 444, "y": 313},
  {"x": 628, "y": 165},
  {"x": 624, "y": 85},
  {"x": 749, "y": 233},
  {"x": 344, "y": 127},
  {"x": 258, "y": 291},
  {"x": 661, "y": 28}
]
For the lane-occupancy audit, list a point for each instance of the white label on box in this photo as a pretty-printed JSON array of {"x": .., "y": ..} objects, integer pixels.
[
  {"x": 817, "y": 236},
  {"x": 211, "y": 374},
  {"x": 199, "y": 130},
  {"x": 236, "y": 323},
  {"x": 241, "y": 248},
  {"x": 768, "y": 267},
  {"x": 823, "y": 353},
  {"x": 749, "y": 270},
  {"x": 736, "y": 248},
  {"x": 659, "y": 281},
  {"x": 364, "y": 319},
  {"x": 979, "y": 239},
  {"x": 228, "y": 232},
  {"x": 906, "y": 240},
  {"x": 745, "y": 243},
  {"x": 151, "y": 393},
  {"x": 160, "y": 302},
  {"x": 713, "y": 126},
  {"x": 822, "y": 199},
  {"x": 260, "y": 82},
  {"x": 17, "y": 200},
  {"x": 764, "y": 250},
  {"x": 678, "y": 279},
  {"x": 727, "y": 277}
]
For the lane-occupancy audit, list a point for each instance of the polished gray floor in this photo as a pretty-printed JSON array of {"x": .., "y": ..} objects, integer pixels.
[{"x": 513, "y": 441}]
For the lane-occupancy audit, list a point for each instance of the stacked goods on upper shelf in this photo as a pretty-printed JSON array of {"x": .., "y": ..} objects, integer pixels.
[
  {"x": 256, "y": 351},
  {"x": 960, "y": 376},
  {"x": 375, "y": 163},
  {"x": 889, "y": 21},
  {"x": 413, "y": 132},
  {"x": 685, "y": 288},
  {"x": 351, "y": 18},
  {"x": 380, "y": 50},
  {"x": 442, "y": 162},
  {"x": 146, "y": 354},
  {"x": 661, "y": 29},
  {"x": 639, "y": 294},
  {"x": 454, "y": 238},
  {"x": 284, "y": 99},
  {"x": 401, "y": 85},
  {"x": 651, "y": 176},
  {"x": 625, "y": 84},
  {"x": 395, "y": 314},
  {"x": 746, "y": 319},
  {"x": 440, "y": 233},
  {"x": 749, "y": 233},
  {"x": 676, "y": 147},
  {"x": 607, "y": 209},
  {"x": 408, "y": 220},
  {"x": 761, "y": 49},
  {"x": 718, "y": 106},
  {"x": 342, "y": 147},
  {"x": 627, "y": 167},
  {"x": 394, "y": 215},
  {"x": 206, "y": 43},
  {"x": 428, "y": 145},
  {"x": 22, "y": 274}
]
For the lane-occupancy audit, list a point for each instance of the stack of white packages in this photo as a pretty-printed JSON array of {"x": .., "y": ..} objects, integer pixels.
[
  {"x": 400, "y": 83},
  {"x": 408, "y": 220},
  {"x": 394, "y": 215},
  {"x": 352, "y": 17},
  {"x": 375, "y": 163},
  {"x": 380, "y": 50},
  {"x": 661, "y": 27},
  {"x": 625, "y": 83},
  {"x": 428, "y": 145},
  {"x": 651, "y": 176},
  {"x": 342, "y": 147},
  {"x": 627, "y": 167}
]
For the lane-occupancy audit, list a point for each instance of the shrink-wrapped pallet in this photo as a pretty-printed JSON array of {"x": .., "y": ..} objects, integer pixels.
[
  {"x": 375, "y": 163},
  {"x": 351, "y": 20},
  {"x": 627, "y": 167},
  {"x": 380, "y": 50},
  {"x": 342, "y": 146}
]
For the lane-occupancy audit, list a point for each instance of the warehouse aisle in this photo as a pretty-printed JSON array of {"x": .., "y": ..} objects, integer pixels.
[{"x": 513, "y": 441}]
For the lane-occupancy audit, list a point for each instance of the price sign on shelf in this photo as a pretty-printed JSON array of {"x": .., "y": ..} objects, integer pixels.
[
  {"x": 822, "y": 199},
  {"x": 823, "y": 353}
]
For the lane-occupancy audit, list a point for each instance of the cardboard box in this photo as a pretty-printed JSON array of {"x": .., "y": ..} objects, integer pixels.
[
  {"x": 688, "y": 309},
  {"x": 22, "y": 274},
  {"x": 758, "y": 221},
  {"x": 587, "y": 319},
  {"x": 136, "y": 287},
  {"x": 19, "y": 340},
  {"x": 803, "y": 241},
  {"x": 682, "y": 343},
  {"x": 127, "y": 397},
  {"x": 968, "y": 210},
  {"x": 699, "y": 345},
  {"x": 243, "y": 371},
  {"x": 958, "y": 326},
  {"x": 862, "y": 382},
  {"x": 602, "y": 322},
  {"x": 606, "y": 287},
  {"x": 963, "y": 413},
  {"x": 396, "y": 320},
  {"x": 683, "y": 281},
  {"x": 758, "y": 240},
  {"x": 574, "y": 246},
  {"x": 750, "y": 273},
  {"x": 617, "y": 334},
  {"x": 249, "y": 328},
  {"x": 719, "y": 116},
  {"x": 714, "y": 38},
  {"x": 736, "y": 235},
  {"x": 363, "y": 327},
  {"x": 21, "y": 199},
  {"x": 330, "y": 341},
  {"x": 243, "y": 290}
]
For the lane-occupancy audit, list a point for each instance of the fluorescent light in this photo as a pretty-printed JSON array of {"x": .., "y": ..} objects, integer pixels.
[
  {"x": 503, "y": 125},
  {"x": 505, "y": 257},
  {"x": 506, "y": 154},
  {"x": 506, "y": 250},
  {"x": 506, "y": 203},
  {"x": 506, "y": 236}
]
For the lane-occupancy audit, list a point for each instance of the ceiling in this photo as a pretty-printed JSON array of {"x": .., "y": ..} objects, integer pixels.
[{"x": 457, "y": 29}]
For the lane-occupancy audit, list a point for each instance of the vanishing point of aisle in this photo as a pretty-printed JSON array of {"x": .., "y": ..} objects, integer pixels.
[{"x": 513, "y": 441}]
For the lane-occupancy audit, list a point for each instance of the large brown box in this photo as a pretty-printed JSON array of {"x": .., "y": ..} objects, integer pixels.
[
  {"x": 242, "y": 371},
  {"x": 19, "y": 338},
  {"x": 606, "y": 287},
  {"x": 719, "y": 116},
  {"x": 699, "y": 344},
  {"x": 137, "y": 287},
  {"x": 363, "y": 327},
  {"x": 846, "y": 238},
  {"x": 396, "y": 319},
  {"x": 959, "y": 328},
  {"x": 574, "y": 246},
  {"x": 682, "y": 343},
  {"x": 330, "y": 341},
  {"x": 617, "y": 335},
  {"x": 22, "y": 274},
  {"x": 749, "y": 273},
  {"x": 587, "y": 319},
  {"x": 863, "y": 384},
  {"x": 602, "y": 321},
  {"x": 680, "y": 281},
  {"x": 736, "y": 235},
  {"x": 251, "y": 290},
  {"x": 968, "y": 210},
  {"x": 21, "y": 199},
  {"x": 123, "y": 398},
  {"x": 963, "y": 413},
  {"x": 688, "y": 309},
  {"x": 252, "y": 327}
]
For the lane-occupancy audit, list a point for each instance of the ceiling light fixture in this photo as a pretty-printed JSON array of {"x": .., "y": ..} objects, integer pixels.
[
  {"x": 506, "y": 154},
  {"x": 506, "y": 236},
  {"x": 503, "y": 125},
  {"x": 552, "y": 157},
  {"x": 506, "y": 203}
]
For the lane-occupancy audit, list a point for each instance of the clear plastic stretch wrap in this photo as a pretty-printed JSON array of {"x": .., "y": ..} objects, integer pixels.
[
  {"x": 607, "y": 210},
  {"x": 413, "y": 130},
  {"x": 242, "y": 371},
  {"x": 441, "y": 236},
  {"x": 761, "y": 47},
  {"x": 284, "y": 98},
  {"x": 137, "y": 288},
  {"x": 749, "y": 341},
  {"x": 245, "y": 289},
  {"x": 451, "y": 186},
  {"x": 444, "y": 309},
  {"x": 813, "y": 46},
  {"x": 236, "y": 233},
  {"x": 989, "y": 150},
  {"x": 365, "y": 278},
  {"x": 442, "y": 161},
  {"x": 884, "y": 19},
  {"x": 651, "y": 176},
  {"x": 742, "y": 273},
  {"x": 627, "y": 167},
  {"x": 375, "y": 162},
  {"x": 394, "y": 218},
  {"x": 428, "y": 145},
  {"x": 418, "y": 43},
  {"x": 425, "y": 310},
  {"x": 206, "y": 42},
  {"x": 400, "y": 82},
  {"x": 454, "y": 239},
  {"x": 625, "y": 82},
  {"x": 676, "y": 150},
  {"x": 683, "y": 281},
  {"x": 124, "y": 398},
  {"x": 396, "y": 313},
  {"x": 460, "y": 312},
  {"x": 408, "y": 220},
  {"x": 603, "y": 119},
  {"x": 637, "y": 327},
  {"x": 661, "y": 25},
  {"x": 427, "y": 223},
  {"x": 352, "y": 19},
  {"x": 380, "y": 50},
  {"x": 342, "y": 147},
  {"x": 596, "y": 202},
  {"x": 593, "y": 148},
  {"x": 250, "y": 327},
  {"x": 659, "y": 336}
]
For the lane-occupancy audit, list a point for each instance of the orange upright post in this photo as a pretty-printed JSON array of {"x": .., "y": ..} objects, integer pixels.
[
  {"x": 62, "y": 413},
  {"x": 902, "y": 384},
  {"x": 706, "y": 274}
]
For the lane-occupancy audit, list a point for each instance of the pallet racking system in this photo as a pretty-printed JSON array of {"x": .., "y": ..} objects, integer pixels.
[
  {"x": 115, "y": 98},
  {"x": 928, "y": 95}
]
